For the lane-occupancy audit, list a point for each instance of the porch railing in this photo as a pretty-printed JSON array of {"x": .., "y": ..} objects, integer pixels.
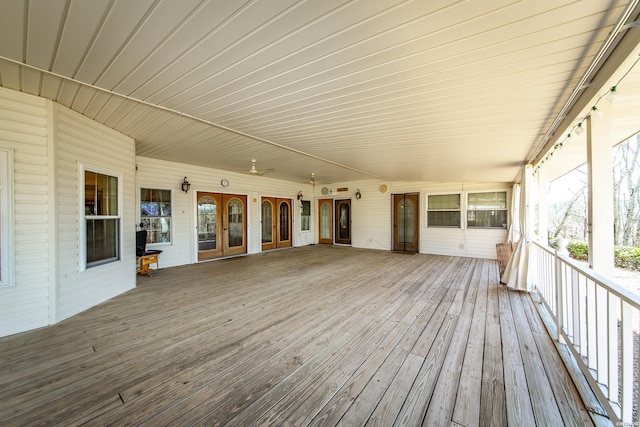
[{"x": 599, "y": 321}]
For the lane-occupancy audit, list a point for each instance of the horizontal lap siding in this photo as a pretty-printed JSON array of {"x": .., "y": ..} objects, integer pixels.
[
  {"x": 372, "y": 218},
  {"x": 23, "y": 129},
  {"x": 162, "y": 174},
  {"x": 82, "y": 141}
]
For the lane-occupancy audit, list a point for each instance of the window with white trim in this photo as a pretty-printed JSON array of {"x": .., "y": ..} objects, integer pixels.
[
  {"x": 155, "y": 214},
  {"x": 102, "y": 218},
  {"x": 487, "y": 209},
  {"x": 443, "y": 210},
  {"x": 305, "y": 216},
  {"x": 6, "y": 217}
]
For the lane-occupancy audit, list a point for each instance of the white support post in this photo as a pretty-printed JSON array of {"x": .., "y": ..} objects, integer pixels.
[
  {"x": 543, "y": 206},
  {"x": 600, "y": 162}
]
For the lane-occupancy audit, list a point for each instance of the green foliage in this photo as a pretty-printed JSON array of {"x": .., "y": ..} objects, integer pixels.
[
  {"x": 627, "y": 257},
  {"x": 578, "y": 250}
]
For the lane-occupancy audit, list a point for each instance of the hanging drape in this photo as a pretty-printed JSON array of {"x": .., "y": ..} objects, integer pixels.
[
  {"x": 514, "y": 227},
  {"x": 515, "y": 274}
]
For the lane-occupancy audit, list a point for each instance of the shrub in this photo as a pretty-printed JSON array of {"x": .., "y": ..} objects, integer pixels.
[
  {"x": 578, "y": 250},
  {"x": 627, "y": 257}
]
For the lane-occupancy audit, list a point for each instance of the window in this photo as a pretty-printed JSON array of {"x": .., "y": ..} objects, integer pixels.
[
  {"x": 487, "y": 210},
  {"x": 305, "y": 219},
  {"x": 443, "y": 210},
  {"x": 6, "y": 249},
  {"x": 155, "y": 214},
  {"x": 102, "y": 218}
]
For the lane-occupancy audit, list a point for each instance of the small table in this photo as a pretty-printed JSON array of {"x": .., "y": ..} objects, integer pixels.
[{"x": 144, "y": 261}]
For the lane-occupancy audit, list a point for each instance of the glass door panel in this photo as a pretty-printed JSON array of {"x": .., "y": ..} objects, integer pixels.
[
  {"x": 325, "y": 226},
  {"x": 343, "y": 222},
  {"x": 209, "y": 225},
  {"x": 268, "y": 224},
  {"x": 405, "y": 222},
  {"x": 284, "y": 223},
  {"x": 235, "y": 224}
]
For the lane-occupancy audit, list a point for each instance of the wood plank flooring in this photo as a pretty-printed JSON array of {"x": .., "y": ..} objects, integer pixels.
[{"x": 318, "y": 335}]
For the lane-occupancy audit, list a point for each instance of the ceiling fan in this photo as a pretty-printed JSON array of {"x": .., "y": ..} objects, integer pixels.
[
  {"x": 313, "y": 180},
  {"x": 254, "y": 171}
]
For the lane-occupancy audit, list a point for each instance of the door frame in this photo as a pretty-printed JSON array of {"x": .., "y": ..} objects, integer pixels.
[
  {"x": 222, "y": 239},
  {"x": 276, "y": 242},
  {"x": 273, "y": 243},
  {"x": 328, "y": 241},
  {"x": 415, "y": 248},
  {"x": 336, "y": 221},
  {"x": 217, "y": 252},
  {"x": 234, "y": 250}
]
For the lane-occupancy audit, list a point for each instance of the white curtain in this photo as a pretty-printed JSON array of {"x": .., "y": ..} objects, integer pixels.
[
  {"x": 514, "y": 227},
  {"x": 515, "y": 274}
]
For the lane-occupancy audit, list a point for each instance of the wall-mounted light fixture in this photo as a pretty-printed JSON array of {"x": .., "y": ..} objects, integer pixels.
[
  {"x": 300, "y": 196},
  {"x": 185, "y": 185},
  {"x": 358, "y": 194}
]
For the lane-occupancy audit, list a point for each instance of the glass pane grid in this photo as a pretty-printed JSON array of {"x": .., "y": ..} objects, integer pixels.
[{"x": 155, "y": 214}]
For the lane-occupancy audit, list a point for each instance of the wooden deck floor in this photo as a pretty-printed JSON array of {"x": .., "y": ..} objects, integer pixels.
[{"x": 317, "y": 335}]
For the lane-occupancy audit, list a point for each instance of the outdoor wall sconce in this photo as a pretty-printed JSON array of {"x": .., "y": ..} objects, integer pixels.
[
  {"x": 300, "y": 196},
  {"x": 185, "y": 185},
  {"x": 358, "y": 194}
]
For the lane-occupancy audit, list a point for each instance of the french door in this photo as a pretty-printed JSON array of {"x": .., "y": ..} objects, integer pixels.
[
  {"x": 406, "y": 222},
  {"x": 222, "y": 225},
  {"x": 276, "y": 223},
  {"x": 325, "y": 221},
  {"x": 343, "y": 221}
]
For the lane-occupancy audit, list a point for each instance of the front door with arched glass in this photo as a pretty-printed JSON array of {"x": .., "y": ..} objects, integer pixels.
[
  {"x": 405, "y": 222},
  {"x": 222, "y": 225},
  {"x": 343, "y": 222},
  {"x": 276, "y": 223},
  {"x": 325, "y": 221}
]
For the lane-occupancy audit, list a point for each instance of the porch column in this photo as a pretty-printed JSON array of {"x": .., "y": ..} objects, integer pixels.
[
  {"x": 600, "y": 205},
  {"x": 543, "y": 207}
]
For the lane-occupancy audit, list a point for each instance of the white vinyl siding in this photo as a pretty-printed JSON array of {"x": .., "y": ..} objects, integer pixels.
[
  {"x": 83, "y": 143},
  {"x": 24, "y": 305},
  {"x": 6, "y": 218},
  {"x": 163, "y": 174}
]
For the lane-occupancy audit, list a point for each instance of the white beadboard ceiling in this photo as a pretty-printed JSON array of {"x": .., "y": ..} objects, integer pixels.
[{"x": 437, "y": 90}]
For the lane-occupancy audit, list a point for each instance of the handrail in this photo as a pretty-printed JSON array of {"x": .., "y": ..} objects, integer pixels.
[{"x": 598, "y": 320}]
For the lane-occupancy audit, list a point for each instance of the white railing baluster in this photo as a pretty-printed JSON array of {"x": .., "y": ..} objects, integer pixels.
[
  {"x": 598, "y": 320},
  {"x": 559, "y": 303}
]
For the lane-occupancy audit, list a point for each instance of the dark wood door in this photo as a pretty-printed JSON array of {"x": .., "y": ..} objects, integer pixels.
[
  {"x": 406, "y": 220},
  {"x": 234, "y": 227},
  {"x": 325, "y": 221},
  {"x": 343, "y": 222}
]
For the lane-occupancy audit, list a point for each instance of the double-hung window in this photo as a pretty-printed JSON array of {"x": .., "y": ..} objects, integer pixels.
[
  {"x": 102, "y": 218},
  {"x": 443, "y": 210},
  {"x": 487, "y": 210},
  {"x": 155, "y": 214}
]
